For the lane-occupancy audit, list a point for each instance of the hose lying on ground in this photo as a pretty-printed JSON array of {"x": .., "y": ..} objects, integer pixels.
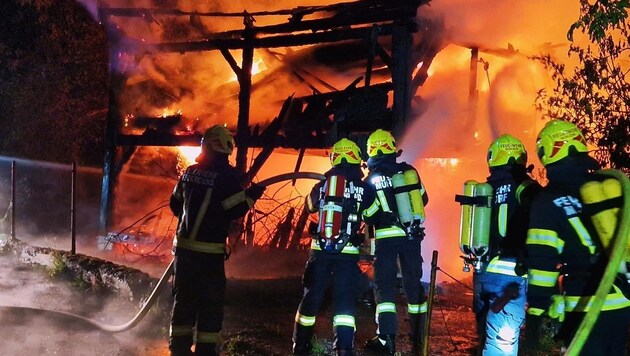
[{"x": 167, "y": 273}]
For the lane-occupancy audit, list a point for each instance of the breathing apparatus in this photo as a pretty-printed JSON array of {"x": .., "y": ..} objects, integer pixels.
[
  {"x": 335, "y": 223},
  {"x": 410, "y": 207},
  {"x": 474, "y": 230}
]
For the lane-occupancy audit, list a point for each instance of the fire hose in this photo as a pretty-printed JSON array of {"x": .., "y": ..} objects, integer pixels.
[{"x": 168, "y": 272}]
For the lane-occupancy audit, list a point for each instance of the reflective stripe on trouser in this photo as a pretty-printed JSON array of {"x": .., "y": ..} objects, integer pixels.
[
  {"x": 499, "y": 331},
  {"x": 345, "y": 272},
  {"x": 387, "y": 254},
  {"x": 198, "y": 292}
]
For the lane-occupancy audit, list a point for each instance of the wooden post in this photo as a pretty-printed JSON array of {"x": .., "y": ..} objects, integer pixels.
[
  {"x": 13, "y": 194},
  {"x": 402, "y": 43},
  {"x": 427, "y": 321},
  {"x": 112, "y": 127},
  {"x": 245, "y": 82},
  {"x": 73, "y": 205},
  {"x": 472, "y": 90}
]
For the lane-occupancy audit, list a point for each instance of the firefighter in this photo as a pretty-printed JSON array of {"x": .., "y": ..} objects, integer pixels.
[
  {"x": 335, "y": 253},
  {"x": 565, "y": 255},
  {"x": 206, "y": 198},
  {"x": 394, "y": 243},
  {"x": 499, "y": 291}
]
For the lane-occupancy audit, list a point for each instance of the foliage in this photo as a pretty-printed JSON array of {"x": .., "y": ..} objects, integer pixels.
[
  {"x": 53, "y": 81},
  {"x": 596, "y": 95},
  {"x": 58, "y": 266}
]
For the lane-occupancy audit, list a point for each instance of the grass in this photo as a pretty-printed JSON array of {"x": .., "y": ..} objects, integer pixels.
[{"x": 58, "y": 266}]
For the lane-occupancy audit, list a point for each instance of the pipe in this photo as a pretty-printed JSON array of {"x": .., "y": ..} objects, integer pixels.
[
  {"x": 169, "y": 270},
  {"x": 615, "y": 259}
]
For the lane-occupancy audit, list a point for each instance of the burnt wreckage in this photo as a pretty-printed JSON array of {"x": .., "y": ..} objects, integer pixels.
[{"x": 385, "y": 38}]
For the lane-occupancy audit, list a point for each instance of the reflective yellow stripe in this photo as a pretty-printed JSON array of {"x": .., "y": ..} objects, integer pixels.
[
  {"x": 581, "y": 231},
  {"x": 344, "y": 320},
  {"x": 545, "y": 237},
  {"x": 201, "y": 214},
  {"x": 386, "y": 308},
  {"x": 383, "y": 200},
  {"x": 535, "y": 311},
  {"x": 615, "y": 300},
  {"x": 232, "y": 201},
  {"x": 200, "y": 246},
  {"x": 417, "y": 308},
  {"x": 386, "y": 232},
  {"x": 503, "y": 219},
  {"x": 521, "y": 188},
  {"x": 540, "y": 278},
  {"x": 349, "y": 248},
  {"x": 305, "y": 320},
  {"x": 181, "y": 330},
  {"x": 501, "y": 267},
  {"x": 207, "y": 338},
  {"x": 372, "y": 209}
]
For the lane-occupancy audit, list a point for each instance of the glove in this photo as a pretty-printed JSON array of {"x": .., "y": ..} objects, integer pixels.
[
  {"x": 356, "y": 239},
  {"x": 255, "y": 191}
]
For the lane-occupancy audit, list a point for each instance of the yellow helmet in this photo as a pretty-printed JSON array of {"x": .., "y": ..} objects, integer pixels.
[
  {"x": 556, "y": 139},
  {"x": 506, "y": 149},
  {"x": 345, "y": 150},
  {"x": 217, "y": 139},
  {"x": 380, "y": 141}
]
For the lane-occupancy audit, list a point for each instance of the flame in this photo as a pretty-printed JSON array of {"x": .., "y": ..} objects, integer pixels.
[
  {"x": 188, "y": 153},
  {"x": 257, "y": 67},
  {"x": 170, "y": 112}
]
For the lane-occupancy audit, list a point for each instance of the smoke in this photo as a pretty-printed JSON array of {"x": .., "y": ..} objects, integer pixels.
[{"x": 31, "y": 288}]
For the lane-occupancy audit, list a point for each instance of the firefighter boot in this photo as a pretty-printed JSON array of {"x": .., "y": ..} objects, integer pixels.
[
  {"x": 302, "y": 340},
  {"x": 385, "y": 344},
  {"x": 417, "y": 322}
]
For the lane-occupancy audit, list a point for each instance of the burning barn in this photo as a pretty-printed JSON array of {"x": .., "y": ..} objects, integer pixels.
[{"x": 292, "y": 79}]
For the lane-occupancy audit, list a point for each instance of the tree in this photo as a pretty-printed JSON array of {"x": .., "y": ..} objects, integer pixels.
[
  {"x": 53, "y": 81},
  {"x": 596, "y": 95}
]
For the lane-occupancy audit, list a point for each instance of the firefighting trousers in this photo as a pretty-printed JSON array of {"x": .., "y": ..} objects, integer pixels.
[
  {"x": 608, "y": 337},
  {"x": 387, "y": 254},
  {"x": 499, "y": 307},
  {"x": 344, "y": 272},
  {"x": 199, "y": 293}
]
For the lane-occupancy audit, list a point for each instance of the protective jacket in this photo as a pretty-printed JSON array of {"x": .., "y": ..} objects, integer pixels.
[
  {"x": 362, "y": 196},
  {"x": 513, "y": 191},
  {"x": 206, "y": 198},
  {"x": 380, "y": 177},
  {"x": 561, "y": 241}
]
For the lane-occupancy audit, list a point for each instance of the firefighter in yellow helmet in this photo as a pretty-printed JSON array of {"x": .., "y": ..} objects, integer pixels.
[
  {"x": 397, "y": 241},
  {"x": 563, "y": 245},
  {"x": 343, "y": 200},
  {"x": 206, "y": 198},
  {"x": 499, "y": 290}
]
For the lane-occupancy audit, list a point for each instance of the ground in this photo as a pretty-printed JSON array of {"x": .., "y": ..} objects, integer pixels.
[{"x": 258, "y": 317}]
